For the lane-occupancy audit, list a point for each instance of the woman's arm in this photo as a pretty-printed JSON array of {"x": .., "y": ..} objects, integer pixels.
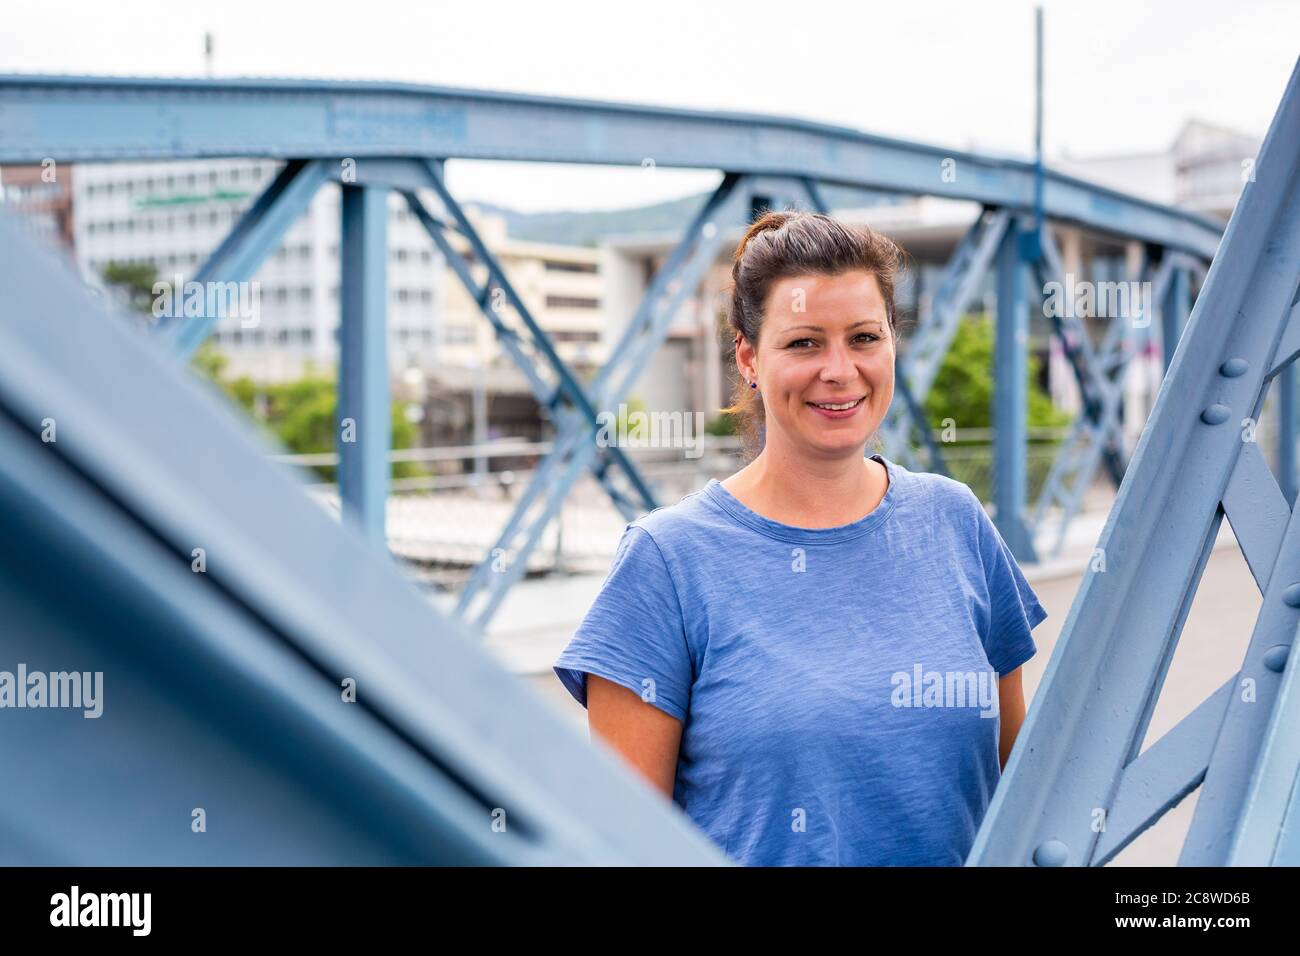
[
  {"x": 1011, "y": 711},
  {"x": 645, "y": 736}
]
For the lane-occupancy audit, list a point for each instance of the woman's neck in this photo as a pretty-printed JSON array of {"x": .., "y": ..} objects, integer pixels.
[{"x": 809, "y": 493}]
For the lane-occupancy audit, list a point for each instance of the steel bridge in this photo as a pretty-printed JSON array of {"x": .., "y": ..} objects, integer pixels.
[
  {"x": 116, "y": 475},
  {"x": 377, "y": 138}
]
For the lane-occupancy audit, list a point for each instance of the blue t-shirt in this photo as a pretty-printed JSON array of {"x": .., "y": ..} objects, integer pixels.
[{"x": 836, "y": 685}]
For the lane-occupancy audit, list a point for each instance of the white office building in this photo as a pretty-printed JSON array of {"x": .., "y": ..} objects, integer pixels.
[{"x": 174, "y": 215}]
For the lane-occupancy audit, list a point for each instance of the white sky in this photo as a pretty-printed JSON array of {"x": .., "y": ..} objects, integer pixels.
[{"x": 1121, "y": 75}]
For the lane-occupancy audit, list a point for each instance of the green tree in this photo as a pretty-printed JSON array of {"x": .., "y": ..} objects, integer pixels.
[
  {"x": 627, "y": 408},
  {"x": 721, "y": 424},
  {"x": 135, "y": 280},
  {"x": 300, "y": 414},
  {"x": 963, "y": 387}
]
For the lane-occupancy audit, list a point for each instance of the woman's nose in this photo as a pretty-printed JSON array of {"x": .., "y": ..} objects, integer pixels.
[{"x": 839, "y": 364}]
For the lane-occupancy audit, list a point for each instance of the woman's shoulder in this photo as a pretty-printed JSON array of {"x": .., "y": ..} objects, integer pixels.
[
  {"x": 689, "y": 517},
  {"x": 935, "y": 490},
  {"x": 935, "y": 500}
]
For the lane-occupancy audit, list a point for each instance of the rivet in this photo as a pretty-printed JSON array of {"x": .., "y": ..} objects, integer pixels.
[
  {"x": 1275, "y": 657},
  {"x": 1234, "y": 367},
  {"x": 1216, "y": 414},
  {"x": 1292, "y": 595},
  {"x": 1051, "y": 853}
]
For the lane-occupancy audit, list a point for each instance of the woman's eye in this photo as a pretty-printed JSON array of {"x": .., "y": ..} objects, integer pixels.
[{"x": 863, "y": 335}]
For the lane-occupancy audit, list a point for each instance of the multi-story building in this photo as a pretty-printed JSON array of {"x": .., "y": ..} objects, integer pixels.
[
  {"x": 173, "y": 215},
  {"x": 43, "y": 199},
  {"x": 1204, "y": 169}
]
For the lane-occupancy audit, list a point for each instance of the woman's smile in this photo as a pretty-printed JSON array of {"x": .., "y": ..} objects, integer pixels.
[{"x": 839, "y": 408}]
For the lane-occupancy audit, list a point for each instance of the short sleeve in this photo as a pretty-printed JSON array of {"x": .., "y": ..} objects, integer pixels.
[
  {"x": 1014, "y": 610},
  {"x": 633, "y": 634}
]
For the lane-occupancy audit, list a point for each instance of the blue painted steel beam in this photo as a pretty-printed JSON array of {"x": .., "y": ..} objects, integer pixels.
[
  {"x": 1163, "y": 775},
  {"x": 1266, "y": 833},
  {"x": 1174, "y": 308},
  {"x": 1191, "y": 467},
  {"x": 919, "y": 362},
  {"x": 1099, "y": 371},
  {"x": 1285, "y": 386},
  {"x": 1011, "y": 397},
  {"x": 95, "y": 119},
  {"x": 574, "y": 447},
  {"x": 364, "y": 412},
  {"x": 223, "y": 687},
  {"x": 568, "y": 389},
  {"x": 237, "y": 259},
  {"x": 546, "y": 394}
]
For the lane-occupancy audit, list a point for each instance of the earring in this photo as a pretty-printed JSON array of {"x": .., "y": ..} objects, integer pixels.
[{"x": 753, "y": 385}]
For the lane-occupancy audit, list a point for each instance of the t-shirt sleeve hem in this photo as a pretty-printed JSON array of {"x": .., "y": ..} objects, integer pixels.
[
  {"x": 1035, "y": 614},
  {"x": 573, "y": 675},
  {"x": 1014, "y": 659}
]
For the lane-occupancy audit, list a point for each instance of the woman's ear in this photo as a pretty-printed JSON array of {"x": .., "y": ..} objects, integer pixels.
[{"x": 745, "y": 358}]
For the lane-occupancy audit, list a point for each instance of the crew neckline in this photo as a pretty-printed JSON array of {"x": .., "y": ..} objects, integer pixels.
[{"x": 719, "y": 495}]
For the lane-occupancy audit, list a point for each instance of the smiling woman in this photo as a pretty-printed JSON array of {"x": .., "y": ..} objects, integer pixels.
[
  {"x": 798, "y": 278},
  {"x": 746, "y": 650}
]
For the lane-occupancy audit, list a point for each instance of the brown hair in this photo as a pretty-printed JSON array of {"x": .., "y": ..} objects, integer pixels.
[{"x": 782, "y": 245}]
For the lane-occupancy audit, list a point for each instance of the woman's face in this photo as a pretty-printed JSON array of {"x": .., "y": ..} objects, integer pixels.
[{"x": 825, "y": 339}]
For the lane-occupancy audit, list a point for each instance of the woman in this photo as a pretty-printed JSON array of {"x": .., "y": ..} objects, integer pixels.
[{"x": 817, "y": 658}]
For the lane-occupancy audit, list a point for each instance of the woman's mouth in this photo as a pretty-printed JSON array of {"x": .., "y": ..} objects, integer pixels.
[{"x": 837, "y": 409}]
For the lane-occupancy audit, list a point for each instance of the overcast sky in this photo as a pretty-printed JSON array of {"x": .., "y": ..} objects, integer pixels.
[{"x": 1122, "y": 75}]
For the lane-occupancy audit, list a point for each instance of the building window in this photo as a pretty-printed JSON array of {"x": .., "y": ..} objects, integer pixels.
[
  {"x": 552, "y": 265},
  {"x": 571, "y": 302},
  {"x": 575, "y": 335}
]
